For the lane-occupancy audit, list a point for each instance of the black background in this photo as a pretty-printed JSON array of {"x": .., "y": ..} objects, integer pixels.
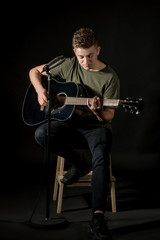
[{"x": 128, "y": 34}]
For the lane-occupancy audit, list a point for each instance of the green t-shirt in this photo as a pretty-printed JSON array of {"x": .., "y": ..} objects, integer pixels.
[{"x": 103, "y": 83}]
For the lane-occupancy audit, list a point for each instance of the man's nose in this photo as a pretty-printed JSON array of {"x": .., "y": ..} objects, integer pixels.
[{"x": 85, "y": 60}]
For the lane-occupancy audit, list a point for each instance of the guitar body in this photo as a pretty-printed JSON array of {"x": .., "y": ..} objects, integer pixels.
[{"x": 31, "y": 113}]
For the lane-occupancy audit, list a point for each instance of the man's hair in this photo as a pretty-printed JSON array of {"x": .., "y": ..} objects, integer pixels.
[{"x": 84, "y": 38}]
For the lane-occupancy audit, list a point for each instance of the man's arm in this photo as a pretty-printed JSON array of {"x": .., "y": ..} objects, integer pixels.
[
  {"x": 35, "y": 78},
  {"x": 106, "y": 115}
]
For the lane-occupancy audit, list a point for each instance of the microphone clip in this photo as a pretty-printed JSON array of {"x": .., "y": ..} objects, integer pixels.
[{"x": 53, "y": 63}]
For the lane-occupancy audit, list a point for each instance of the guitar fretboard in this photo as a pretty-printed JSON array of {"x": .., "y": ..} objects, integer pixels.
[{"x": 83, "y": 101}]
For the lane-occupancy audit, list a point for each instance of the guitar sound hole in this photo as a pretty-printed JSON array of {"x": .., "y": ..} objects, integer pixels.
[{"x": 59, "y": 100}]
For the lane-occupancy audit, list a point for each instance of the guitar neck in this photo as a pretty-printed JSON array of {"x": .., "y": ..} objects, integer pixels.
[{"x": 83, "y": 101}]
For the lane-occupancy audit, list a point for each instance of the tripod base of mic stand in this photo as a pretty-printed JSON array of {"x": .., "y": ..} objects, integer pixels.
[{"x": 49, "y": 223}]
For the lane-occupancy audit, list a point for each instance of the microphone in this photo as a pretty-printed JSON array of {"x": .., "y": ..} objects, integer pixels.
[{"x": 53, "y": 63}]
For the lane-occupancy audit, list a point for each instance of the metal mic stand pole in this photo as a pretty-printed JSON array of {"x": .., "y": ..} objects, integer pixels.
[
  {"x": 58, "y": 222},
  {"x": 47, "y": 172}
]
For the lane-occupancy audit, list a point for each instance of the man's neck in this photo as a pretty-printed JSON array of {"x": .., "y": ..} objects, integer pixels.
[{"x": 98, "y": 66}]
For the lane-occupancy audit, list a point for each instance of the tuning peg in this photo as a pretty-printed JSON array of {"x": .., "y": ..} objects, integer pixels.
[
  {"x": 137, "y": 112},
  {"x": 125, "y": 108},
  {"x": 131, "y": 110}
]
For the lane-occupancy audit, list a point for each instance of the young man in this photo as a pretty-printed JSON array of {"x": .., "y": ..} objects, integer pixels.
[{"x": 91, "y": 123}]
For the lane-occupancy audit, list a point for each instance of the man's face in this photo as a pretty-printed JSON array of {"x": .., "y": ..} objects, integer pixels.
[{"x": 87, "y": 57}]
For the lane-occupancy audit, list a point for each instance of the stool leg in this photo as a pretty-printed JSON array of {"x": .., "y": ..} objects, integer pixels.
[
  {"x": 113, "y": 197},
  {"x": 60, "y": 196},
  {"x": 56, "y": 179},
  {"x": 113, "y": 192},
  {"x": 61, "y": 185}
]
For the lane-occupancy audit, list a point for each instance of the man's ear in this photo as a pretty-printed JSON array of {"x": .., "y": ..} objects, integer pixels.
[{"x": 98, "y": 50}]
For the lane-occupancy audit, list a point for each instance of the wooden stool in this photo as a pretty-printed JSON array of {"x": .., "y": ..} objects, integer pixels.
[{"x": 83, "y": 181}]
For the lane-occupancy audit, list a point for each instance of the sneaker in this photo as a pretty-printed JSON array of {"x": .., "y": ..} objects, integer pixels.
[
  {"x": 73, "y": 175},
  {"x": 98, "y": 228}
]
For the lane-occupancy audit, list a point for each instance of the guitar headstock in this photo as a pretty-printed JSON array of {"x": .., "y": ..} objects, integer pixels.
[{"x": 132, "y": 105}]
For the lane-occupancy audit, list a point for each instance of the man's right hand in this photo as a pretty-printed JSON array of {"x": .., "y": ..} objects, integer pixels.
[{"x": 42, "y": 97}]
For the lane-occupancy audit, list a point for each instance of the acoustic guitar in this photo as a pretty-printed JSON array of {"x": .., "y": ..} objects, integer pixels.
[{"x": 64, "y": 99}]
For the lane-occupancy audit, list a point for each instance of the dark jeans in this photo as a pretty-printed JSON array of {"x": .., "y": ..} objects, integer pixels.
[{"x": 99, "y": 140}]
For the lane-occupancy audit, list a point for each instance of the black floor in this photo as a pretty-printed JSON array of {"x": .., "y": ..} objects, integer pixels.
[
  {"x": 20, "y": 210},
  {"x": 23, "y": 204}
]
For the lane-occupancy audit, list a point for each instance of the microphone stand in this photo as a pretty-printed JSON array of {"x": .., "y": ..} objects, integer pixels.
[
  {"x": 48, "y": 222},
  {"x": 48, "y": 115}
]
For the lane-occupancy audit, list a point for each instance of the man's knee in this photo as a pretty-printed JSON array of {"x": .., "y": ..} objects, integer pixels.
[{"x": 39, "y": 135}]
